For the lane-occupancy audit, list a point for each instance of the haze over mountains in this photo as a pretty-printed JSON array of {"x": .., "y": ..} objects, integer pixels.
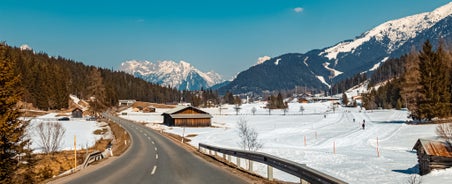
[{"x": 318, "y": 68}]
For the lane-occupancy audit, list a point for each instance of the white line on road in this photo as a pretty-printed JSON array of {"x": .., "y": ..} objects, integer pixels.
[
  {"x": 156, "y": 156},
  {"x": 153, "y": 170},
  {"x": 155, "y": 148},
  {"x": 149, "y": 138},
  {"x": 153, "y": 142}
]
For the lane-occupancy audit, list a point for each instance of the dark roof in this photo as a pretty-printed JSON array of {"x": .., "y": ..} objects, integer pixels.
[
  {"x": 434, "y": 147},
  {"x": 176, "y": 109},
  {"x": 77, "y": 109},
  {"x": 173, "y": 113}
]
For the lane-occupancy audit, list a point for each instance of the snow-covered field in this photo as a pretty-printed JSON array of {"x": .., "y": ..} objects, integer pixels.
[
  {"x": 355, "y": 158},
  {"x": 80, "y": 128}
]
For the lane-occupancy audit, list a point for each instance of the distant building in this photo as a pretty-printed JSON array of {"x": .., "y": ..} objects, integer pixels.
[
  {"x": 433, "y": 154},
  {"x": 149, "y": 109},
  {"x": 126, "y": 102},
  {"x": 186, "y": 116},
  {"x": 77, "y": 113}
]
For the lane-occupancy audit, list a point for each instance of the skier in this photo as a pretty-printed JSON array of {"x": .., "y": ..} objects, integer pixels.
[{"x": 364, "y": 124}]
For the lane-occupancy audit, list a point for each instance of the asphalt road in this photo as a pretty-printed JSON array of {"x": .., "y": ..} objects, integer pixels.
[{"x": 153, "y": 158}]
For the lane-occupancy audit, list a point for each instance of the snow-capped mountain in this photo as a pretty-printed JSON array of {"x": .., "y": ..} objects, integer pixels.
[
  {"x": 182, "y": 75},
  {"x": 320, "y": 68},
  {"x": 393, "y": 34}
]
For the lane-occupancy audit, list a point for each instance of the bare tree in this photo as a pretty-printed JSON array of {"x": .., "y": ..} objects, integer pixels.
[
  {"x": 414, "y": 179},
  {"x": 445, "y": 131},
  {"x": 248, "y": 136},
  {"x": 253, "y": 110},
  {"x": 50, "y": 136}
]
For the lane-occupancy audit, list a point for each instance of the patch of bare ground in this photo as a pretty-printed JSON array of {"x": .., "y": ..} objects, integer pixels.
[
  {"x": 49, "y": 166},
  {"x": 156, "y": 105},
  {"x": 436, "y": 121}
]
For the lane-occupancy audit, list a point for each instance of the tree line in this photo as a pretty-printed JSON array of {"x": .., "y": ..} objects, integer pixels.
[
  {"x": 424, "y": 85},
  {"x": 47, "y": 82}
]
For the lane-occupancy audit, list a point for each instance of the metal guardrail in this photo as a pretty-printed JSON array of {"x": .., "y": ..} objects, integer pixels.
[
  {"x": 92, "y": 157},
  {"x": 302, "y": 171}
]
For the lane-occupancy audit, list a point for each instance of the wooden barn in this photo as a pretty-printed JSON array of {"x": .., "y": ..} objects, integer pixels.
[
  {"x": 77, "y": 113},
  {"x": 433, "y": 154},
  {"x": 186, "y": 116}
]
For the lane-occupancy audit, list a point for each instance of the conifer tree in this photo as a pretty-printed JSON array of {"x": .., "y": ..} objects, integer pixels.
[
  {"x": 12, "y": 142},
  {"x": 96, "y": 91},
  {"x": 435, "y": 93},
  {"x": 410, "y": 86},
  {"x": 427, "y": 70},
  {"x": 443, "y": 82}
]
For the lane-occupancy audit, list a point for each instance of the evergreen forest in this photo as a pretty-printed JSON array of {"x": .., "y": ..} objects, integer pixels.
[
  {"x": 419, "y": 81},
  {"x": 47, "y": 82}
]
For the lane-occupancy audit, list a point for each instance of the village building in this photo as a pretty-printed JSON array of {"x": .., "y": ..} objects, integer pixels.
[
  {"x": 433, "y": 154},
  {"x": 126, "y": 102},
  {"x": 148, "y": 109},
  {"x": 77, "y": 113},
  {"x": 186, "y": 116}
]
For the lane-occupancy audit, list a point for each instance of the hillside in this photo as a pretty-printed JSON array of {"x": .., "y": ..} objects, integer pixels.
[
  {"x": 48, "y": 82},
  {"x": 321, "y": 68}
]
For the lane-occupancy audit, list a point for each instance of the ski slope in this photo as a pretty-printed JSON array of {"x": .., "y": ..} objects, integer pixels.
[{"x": 335, "y": 144}]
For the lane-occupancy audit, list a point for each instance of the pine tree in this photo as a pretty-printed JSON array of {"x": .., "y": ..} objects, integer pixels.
[
  {"x": 96, "y": 92},
  {"x": 411, "y": 84},
  {"x": 12, "y": 130},
  {"x": 443, "y": 82},
  {"x": 435, "y": 92},
  {"x": 427, "y": 70}
]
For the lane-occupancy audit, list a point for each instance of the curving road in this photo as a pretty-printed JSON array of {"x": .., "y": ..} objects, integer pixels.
[{"x": 153, "y": 158}]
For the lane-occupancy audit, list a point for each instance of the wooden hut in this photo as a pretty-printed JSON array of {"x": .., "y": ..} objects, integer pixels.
[
  {"x": 186, "y": 116},
  {"x": 77, "y": 113},
  {"x": 433, "y": 154},
  {"x": 149, "y": 109}
]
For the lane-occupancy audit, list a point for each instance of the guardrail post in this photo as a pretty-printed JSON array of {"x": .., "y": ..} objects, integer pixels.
[
  {"x": 303, "y": 181},
  {"x": 269, "y": 173},
  {"x": 250, "y": 166},
  {"x": 238, "y": 161},
  {"x": 224, "y": 156},
  {"x": 229, "y": 158}
]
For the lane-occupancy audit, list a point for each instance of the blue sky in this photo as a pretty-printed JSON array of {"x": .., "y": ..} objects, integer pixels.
[{"x": 224, "y": 36}]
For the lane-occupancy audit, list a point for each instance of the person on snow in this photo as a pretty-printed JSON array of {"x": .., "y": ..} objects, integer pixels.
[{"x": 364, "y": 124}]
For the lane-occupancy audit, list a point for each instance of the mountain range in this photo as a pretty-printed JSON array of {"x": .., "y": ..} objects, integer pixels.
[
  {"x": 319, "y": 68},
  {"x": 316, "y": 69},
  {"x": 181, "y": 75}
]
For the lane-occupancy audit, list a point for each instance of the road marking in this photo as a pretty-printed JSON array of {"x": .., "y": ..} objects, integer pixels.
[
  {"x": 153, "y": 142},
  {"x": 153, "y": 170},
  {"x": 155, "y": 148},
  {"x": 156, "y": 156},
  {"x": 149, "y": 138}
]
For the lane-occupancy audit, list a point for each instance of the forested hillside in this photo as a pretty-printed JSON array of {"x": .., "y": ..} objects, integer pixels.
[
  {"x": 420, "y": 81},
  {"x": 48, "y": 81}
]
